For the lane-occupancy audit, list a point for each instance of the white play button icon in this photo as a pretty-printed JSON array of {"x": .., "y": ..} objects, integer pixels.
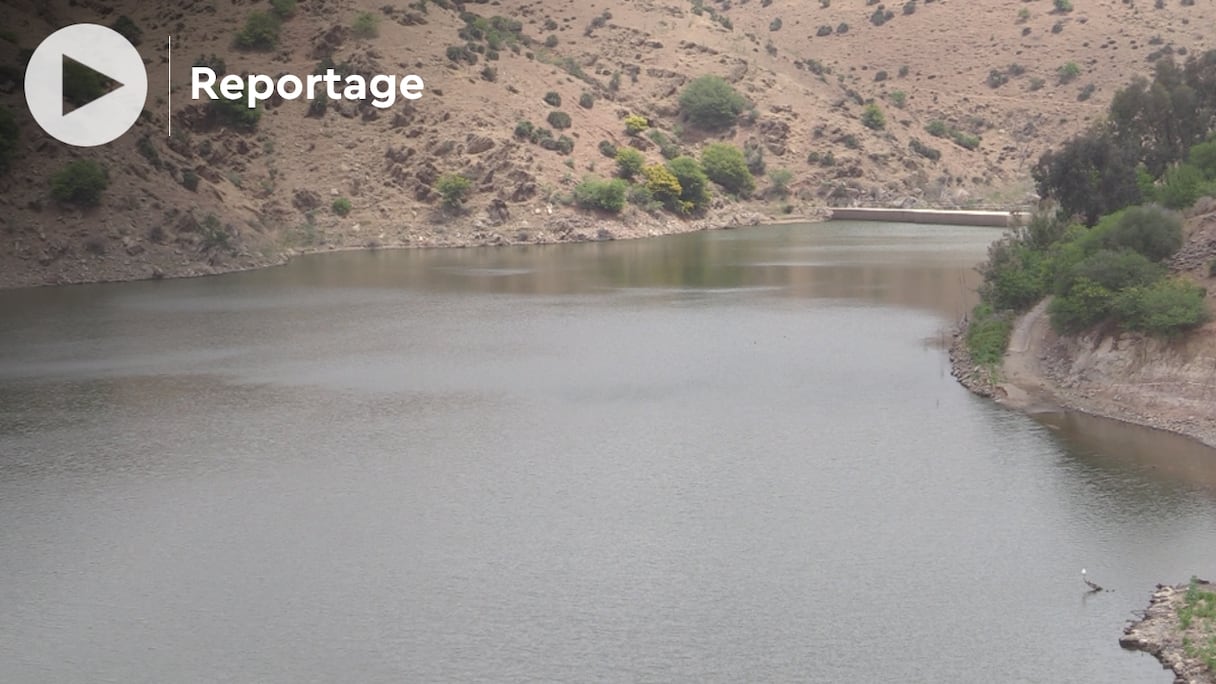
[{"x": 109, "y": 114}]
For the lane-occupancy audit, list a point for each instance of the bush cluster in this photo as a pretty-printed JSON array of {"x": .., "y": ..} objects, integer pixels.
[
  {"x": 603, "y": 194},
  {"x": 1109, "y": 273},
  {"x": 261, "y": 32},
  {"x": 940, "y": 129},
  {"x": 81, "y": 182},
  {"x": 524, "y": 130}
]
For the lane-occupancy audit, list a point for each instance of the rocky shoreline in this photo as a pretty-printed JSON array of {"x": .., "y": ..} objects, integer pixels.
[
  {"x": 1042, "y": 378},
  {"x": 977, "y": 379},
  {"x": 1159, "y": 633},
  {"x": 140, "y": 262}
]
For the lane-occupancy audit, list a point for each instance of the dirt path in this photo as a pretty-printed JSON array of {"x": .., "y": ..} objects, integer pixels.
[{"x": 1023, "y": 385}]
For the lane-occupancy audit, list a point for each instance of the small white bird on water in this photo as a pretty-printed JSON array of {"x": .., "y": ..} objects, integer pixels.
[{"x": 1091, "y": 585}]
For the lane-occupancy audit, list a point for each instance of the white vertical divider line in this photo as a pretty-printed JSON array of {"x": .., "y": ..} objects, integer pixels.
[{"x": 170, "y": 85}]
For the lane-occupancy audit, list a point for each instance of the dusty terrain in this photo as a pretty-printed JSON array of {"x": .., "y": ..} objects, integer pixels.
[{"x": 266, "y": 193}]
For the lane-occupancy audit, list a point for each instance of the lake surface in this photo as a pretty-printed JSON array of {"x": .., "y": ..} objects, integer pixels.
[{"x": 718, "y": 457}]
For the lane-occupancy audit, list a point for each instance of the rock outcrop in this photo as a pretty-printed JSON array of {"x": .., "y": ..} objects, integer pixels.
[{"x": 1160, "y": 633}]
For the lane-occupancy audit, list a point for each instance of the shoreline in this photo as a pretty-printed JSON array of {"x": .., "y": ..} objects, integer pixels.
[
  {"x": 1027, "y": 382},
  {"x": 134, "y": 261},
  {"x": 556, "y": 229},
  {"x": 1159, "y": 633}
]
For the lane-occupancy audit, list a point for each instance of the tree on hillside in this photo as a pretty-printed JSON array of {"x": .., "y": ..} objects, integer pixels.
[
  {"x": 711, "y": 103},
  {"x": 1089, "y": 176}
]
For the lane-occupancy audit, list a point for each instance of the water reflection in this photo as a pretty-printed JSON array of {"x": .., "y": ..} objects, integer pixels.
[
  {"x": 926, "y": 267},
  {"x": 1134, "y": 454}
]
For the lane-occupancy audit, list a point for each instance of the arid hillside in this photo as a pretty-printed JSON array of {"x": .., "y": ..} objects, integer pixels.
[{"x": 970, "y": 94}]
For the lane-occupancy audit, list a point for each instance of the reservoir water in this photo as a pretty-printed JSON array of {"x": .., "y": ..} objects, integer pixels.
[{"x": 717, "y": 457}]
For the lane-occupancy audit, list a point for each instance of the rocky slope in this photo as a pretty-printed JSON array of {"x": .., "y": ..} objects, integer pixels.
[{"x": 987, "y": 70}]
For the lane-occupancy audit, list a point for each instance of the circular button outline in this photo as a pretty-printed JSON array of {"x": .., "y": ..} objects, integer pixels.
[{"x": 104, "y": 119}]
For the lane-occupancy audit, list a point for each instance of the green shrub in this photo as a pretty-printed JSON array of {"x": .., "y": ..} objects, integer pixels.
[
  {"x": 754, "y": 154},
  {"x": 283, "y": 8},
  {"x": 453, "y": 188},
  {"x": 553, "y": 98},
  {"x": 924, "y": 150},
  {"x": 667, "y": 147},
  {"x": 523, "y": 130},
  {"x": 1113, "y": 270},
  {"x": 898, "y": 98},
  {"x": 10, "y": 134},
  {"x": 937, "y": 128},
  {"x": 1203, "y": 157},
  {"x": 586, "y": 100},
  {"x": 190, "y": 180},
  {"x": 663, "y": 186},
  {"x": 565, "y": 144},
  {"x": 235, "y": 113},
  {"x": 725, "y": 165},
  {"x": 965, "y": 140},
  {"x": 1181, "y": 186},
  {"x": 261, "y": 32},
  {"x": 125, "y": 26},
  {"x": 366, "y": 25},
  {"x": 599, "y": 193},
  {"x": 608, "y": 149},
  {"x": 629, "y": 162},
  {"x": 1086, "y": 305},
  {"x": 635, "y": 124},
  {"x": 1167, "y": 308},
  {"x": 1063, "y": 5},
  {"x": 1212, "y": 268},
  {"x": 559, "y": 120},
  {"x": 341, "y": 206},
  {"x": 213, "y": 233},
  {"x": 81, "y": 182},
  {"x": 712, "y": 103},
  {"x": 1068, "y": 73},
  {"x": 780, "y": 179},
  {"x": 1015, "y": 276},
  {"x": 988, "y": 336},
  {"x": 1151, "y": 231},
  {"x": 873, "y": 118},
  {"x": 694, "y": 184}
]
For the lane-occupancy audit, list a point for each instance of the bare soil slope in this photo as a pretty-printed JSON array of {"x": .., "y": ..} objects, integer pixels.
[{"x": 988, "y": 70}]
